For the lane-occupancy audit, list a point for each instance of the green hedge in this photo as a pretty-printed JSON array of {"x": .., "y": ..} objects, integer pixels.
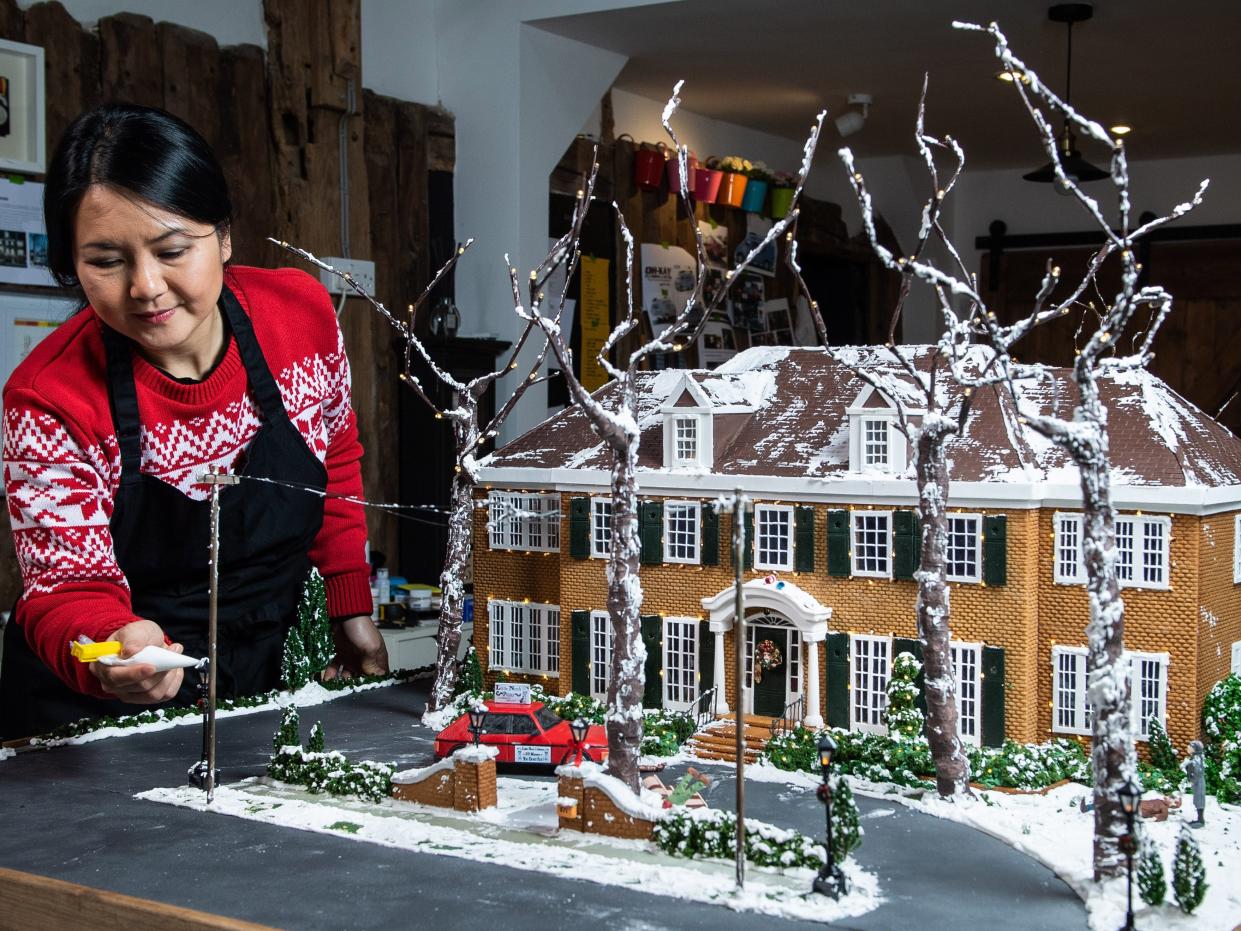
[
  {"x": 711, "y": 834},
  {"x": 332, "y": 773}
]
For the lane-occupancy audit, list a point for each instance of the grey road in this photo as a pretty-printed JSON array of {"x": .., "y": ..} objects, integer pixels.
[{"x": 69, "y": 813}]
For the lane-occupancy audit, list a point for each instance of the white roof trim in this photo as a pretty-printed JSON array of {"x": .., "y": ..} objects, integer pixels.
[
  {"x": 779, "y": 596},
  {"x": 877, "y": 491},
  {"x": 702, "y": 403}
]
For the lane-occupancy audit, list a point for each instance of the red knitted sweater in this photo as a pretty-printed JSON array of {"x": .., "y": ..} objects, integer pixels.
[{"x": 62, "y": 464}]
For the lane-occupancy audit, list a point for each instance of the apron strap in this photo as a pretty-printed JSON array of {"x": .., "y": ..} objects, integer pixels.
[
  {"x": 123, "y": 397},
  {"x": 262, "y": 384}
]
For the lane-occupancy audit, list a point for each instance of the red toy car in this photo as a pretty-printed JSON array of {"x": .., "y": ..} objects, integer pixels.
[{"x": 524, "y": 734}]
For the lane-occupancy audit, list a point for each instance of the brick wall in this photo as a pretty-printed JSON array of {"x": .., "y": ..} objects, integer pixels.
[
  {"x": 598, "y": 814},
  {"x": 466, "y": 786},
  {"x": 1219, "y": 615}
]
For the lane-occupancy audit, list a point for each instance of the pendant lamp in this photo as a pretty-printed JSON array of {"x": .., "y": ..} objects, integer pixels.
[{"x": 1075, "y": 167}]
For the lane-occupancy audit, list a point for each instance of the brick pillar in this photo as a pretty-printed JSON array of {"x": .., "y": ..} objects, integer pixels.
[
  {"x": 474, "y": 785},
  {"x": 569, "y": 787}
]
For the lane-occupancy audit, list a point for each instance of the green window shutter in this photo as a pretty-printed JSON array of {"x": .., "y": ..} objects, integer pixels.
[
  {"x": 710, "y": 518},
  {"x": 905, "y": 555},
  {"x": 580, "y": 638},
  {"x": 837, "y": 674},
  {"x": 652, "y": 639},
  {"x": 651, "y": 532},
  {"x": 803, "y": 545},
  {"x": 747, "y": 545},
  {"x": 903, "y": 645},
  {"x": 579, "y": 528},
  {"x": 917, "y": 540},
  {"x": 992, "y": 696},
  {"x": 838, "y": 543},
  {"x": 706, "y": 656},
  {"x": 995, "y": 550}
]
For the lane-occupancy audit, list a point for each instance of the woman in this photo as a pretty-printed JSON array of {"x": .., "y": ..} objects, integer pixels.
[{"x": 178, "y": 363}]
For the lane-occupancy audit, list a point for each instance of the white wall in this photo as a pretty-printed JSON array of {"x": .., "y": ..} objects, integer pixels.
[
  {"x": 399, "y": 50},
  {"x": 231, "y": 22}
]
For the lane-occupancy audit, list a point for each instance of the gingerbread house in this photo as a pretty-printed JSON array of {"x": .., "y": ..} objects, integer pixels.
[{"x": 833, "y": 548}]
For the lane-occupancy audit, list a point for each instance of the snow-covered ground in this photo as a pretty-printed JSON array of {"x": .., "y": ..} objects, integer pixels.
[
  {"x": 522, "y": 832},
  {"x": 1052, "y": 829}
]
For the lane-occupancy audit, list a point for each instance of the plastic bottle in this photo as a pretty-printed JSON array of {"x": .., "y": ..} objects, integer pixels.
[{"x": 383, "y": 586}]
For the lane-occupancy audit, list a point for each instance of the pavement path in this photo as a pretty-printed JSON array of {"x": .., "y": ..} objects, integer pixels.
[{"x": 69, "y": 813}]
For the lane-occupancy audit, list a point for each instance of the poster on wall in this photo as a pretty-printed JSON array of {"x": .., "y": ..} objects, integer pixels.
[
  {"x": 747, "y": 298},
  {"x": 714, "y": 243},
  {"x": 23, "y": 237},
  {"x": 717, "y": 343},
  {"x": 804, "y": 332},
  {"x": 25, "y": 321},
  {"x": 779, "y": 323},
  {"x": 22, "y": 121},
  {"x": 756, "y": 228},
  {"x": 667, "y": 282},
  {"x": 595, "y": 321}
]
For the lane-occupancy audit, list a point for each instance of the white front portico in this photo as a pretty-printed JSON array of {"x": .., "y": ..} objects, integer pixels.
[{"x": 788, "y": 613}]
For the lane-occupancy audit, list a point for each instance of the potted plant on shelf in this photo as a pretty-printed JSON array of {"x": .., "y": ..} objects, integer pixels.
[
  {"x": 707, "y": 181},
  {"x": 732, "y": 185},
  {"x": 674, "y": 172},
  {"x": 648, "y": 165},
  {"x": 756, "y": 188},
  {"x": 782, "y": 186}
]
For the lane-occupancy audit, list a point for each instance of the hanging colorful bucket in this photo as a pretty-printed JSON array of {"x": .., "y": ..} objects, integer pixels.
[
  {"x": 732, "y": 189},
  {"x": 648, "y": 167},
  {"x": 781, "y": 201},
  {"x": 755, "y": 196},
  {"x": 707, "y": 185},
  {"x": 674, "y": 172}
]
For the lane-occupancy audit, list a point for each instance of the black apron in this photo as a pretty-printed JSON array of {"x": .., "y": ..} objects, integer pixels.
[{"x": 161, "y": 538}]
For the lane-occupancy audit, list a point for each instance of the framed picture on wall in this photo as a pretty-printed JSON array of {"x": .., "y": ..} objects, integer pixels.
[
  {"x": 25, "y": 321},
  {"x": 22, "y": 124}
]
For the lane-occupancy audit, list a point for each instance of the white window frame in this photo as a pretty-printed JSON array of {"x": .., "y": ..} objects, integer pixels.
[
  {"x": 1236, "y": 549},
  {"x": 786, "y": 564},
  {"x": 967, "y": 659},
  {"x": 1071, "y": 661},
  {"x": 876, "y": 451},
  {"x": 855, "y": 554},
  {"x": 680, "y": 666},
  {"x": 1069, "y": 691},
  {"x": 695, "y": 508},
  {"x": 685, "y": 437},
  {"x": 1066, "y": 534},
  {"x": 1235, "y": 665},
  {"x": 868, "y": 687},
  {"x": 523, "y": 637},
  {"x": 600, "y": 528},
  {"x": 1133, "y": 539},
  {"x": 976, "y": 520},
  {"x": 600, "y": 654},
  {"x": 534, "y": 528},
  {"x": 793, "y": 645}
]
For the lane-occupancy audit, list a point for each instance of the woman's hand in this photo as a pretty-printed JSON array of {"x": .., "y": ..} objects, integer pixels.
[
  {"x": 140, "y": 685},
  {"x": 360, "y": 649}
]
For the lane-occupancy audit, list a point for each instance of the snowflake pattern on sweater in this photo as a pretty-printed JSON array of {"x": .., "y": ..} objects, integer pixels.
[{"x": 62, "y": 464}]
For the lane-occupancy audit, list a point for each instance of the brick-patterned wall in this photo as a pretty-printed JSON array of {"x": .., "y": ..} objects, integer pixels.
[
  {"x": 598, "y": 814},
  {"x": 1219, "y": 615},
  {"x": 1155, "y": 621},
  {"x": 467, "y": 786}
]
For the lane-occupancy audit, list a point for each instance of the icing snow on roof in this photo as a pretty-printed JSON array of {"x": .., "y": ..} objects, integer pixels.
[{"x": 781, "y": 412}]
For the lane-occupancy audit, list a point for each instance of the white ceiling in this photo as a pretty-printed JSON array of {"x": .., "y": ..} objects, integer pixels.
[{"x": 1171, "y": 69}]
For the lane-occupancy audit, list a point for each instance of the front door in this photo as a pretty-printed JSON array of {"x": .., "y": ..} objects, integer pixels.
[{"x": 770, "y": 692}]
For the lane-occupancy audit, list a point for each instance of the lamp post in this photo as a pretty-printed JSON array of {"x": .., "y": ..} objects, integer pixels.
[
  {"x": 1129, "y": 795},
  {"x": 578, "y": 729},
  {"x": 476, "y": 722},
  {"x": 831, "y": 879}
]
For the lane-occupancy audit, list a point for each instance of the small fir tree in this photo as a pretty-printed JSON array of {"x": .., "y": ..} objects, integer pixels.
[
  {"x": 315, "y": 743},
  {"x": 315, "y": 625},
  {"x": 1188, "y": 874},
  {"x": 1162, "y": 753},
  {"x": 294, "y": 665},
  {"x": 287, "y": 735},
  {"x": 471, "y": 678},
  {"x": 903, "y": 717},
  {"x": 846, "y": 829},
  {"x": 1152, "y": 884}
]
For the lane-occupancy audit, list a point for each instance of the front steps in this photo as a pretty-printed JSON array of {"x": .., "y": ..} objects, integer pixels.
[{"x": 718, "y": 740}]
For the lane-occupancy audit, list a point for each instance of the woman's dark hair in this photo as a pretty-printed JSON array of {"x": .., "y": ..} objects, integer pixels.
[{"x": 140, "y": 151}]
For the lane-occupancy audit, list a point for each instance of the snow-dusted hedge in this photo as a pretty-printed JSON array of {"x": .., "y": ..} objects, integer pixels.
[
  {"x": 707, "y": 833},
  {"x": 1221, "y": 721},
  {"x": 908, "y": 762},
  {"x": 331, "y": 773}
]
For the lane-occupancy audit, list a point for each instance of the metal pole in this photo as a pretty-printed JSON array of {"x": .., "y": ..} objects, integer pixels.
[
  {"x": 739, "y": 543},
  {"x": 215, "y": 480}
]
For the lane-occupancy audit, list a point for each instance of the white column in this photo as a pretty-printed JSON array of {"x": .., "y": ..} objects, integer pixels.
[
  {"x": 813, "y": 716},
  {"x": 721, "y": 700}
]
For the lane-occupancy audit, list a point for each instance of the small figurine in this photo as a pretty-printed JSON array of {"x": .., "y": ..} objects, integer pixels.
[{"x": 1195, "y": 769}]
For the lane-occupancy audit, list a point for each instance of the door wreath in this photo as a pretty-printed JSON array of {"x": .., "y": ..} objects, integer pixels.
[{"x": 766, "y": 658}]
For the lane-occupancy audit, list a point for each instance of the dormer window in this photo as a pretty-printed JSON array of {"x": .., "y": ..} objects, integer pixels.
[
  {"x": 876, "y": 443},
  {"x": 688, "y": 432}
]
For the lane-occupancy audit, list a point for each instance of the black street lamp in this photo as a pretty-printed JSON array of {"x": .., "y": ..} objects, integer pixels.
[
  {"x": 578, "y": 729},
  {"x": 476, "y": 721},
  {"x": 831, "y": 879},
  {"x": 1129, "y": 795}
]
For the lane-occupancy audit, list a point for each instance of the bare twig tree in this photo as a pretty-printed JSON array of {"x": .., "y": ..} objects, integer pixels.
[
  {"x": 469, "y": 435},
  {"x": 1085, "y": 437},
  {"x": 612, "y": 413}
]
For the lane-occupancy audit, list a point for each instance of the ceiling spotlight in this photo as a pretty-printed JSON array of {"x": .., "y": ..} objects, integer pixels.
[
  {"x": 1121, "y": 129},
  {"x": 851, "y": 121}
]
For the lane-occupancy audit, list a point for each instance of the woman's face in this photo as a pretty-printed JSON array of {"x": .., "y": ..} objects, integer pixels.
[{"x": 153, "y": 276}]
